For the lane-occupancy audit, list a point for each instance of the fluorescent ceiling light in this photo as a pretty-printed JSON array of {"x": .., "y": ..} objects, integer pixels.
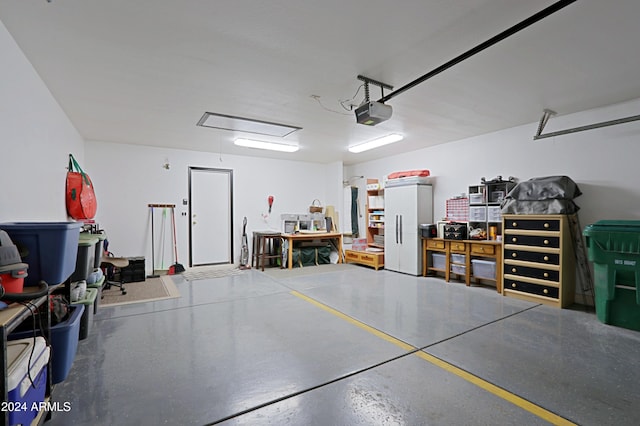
[
  {"x": 266, "y": 145},
  {"x": 247, "y": 125},
  {"x": 385, "y": 140}
]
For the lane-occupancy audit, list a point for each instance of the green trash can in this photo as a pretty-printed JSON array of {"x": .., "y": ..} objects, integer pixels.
[
  {"x": 98, "y": 285},
  {"x": 614, "y": 248},
  {"x": 86, "y": 322}
]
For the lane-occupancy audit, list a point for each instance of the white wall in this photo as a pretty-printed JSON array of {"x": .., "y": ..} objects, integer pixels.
[
  {"x": 129, "y": 177},
  {"x": 36, "y": 138},
  {"x": 604, "y": 162}
]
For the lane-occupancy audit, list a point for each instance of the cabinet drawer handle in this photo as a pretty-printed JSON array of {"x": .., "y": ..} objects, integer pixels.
[
  {"x": 513, "y": 285},
  {"x": 546, "y": 275},
  {"x": 546, "y": 242},
  {"x": 481, "y": 248},
  {"x": 514, "y": 254},
  {"x": 546, "y": 258},
  {"x": 546, "y": 225},
  {"x": 514, "y": 239},
  {"x": 545, "y": 291},
  {"x": 514, "y": 224},
  {"x": 514, "y": 270}
]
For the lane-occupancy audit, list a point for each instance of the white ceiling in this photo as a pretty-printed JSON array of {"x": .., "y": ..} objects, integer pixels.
[{"x": 145, "y": 71}]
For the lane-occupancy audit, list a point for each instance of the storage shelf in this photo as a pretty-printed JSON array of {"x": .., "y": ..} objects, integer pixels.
[
  {"x": 375, "y": 212},
  {"x": 492, "y": 194},
  {"x": 467, "y": 249},
  {"x": 10, "y": 318}
]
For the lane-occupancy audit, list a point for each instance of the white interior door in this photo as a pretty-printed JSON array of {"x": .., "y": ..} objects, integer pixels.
[{"x": 211, "y": 218}]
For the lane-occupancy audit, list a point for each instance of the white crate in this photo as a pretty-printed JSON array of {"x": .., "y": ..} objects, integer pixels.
[
  {"x": 458, "y": 258},
  {"x": 494, "y": 214},
  {"x": 483, "y": 269},
  {"x": 478, "y": 213},
  {"x": 439, "y": 260},
  {"x": 458, "y": 269},
  {"x": 477, "y": 198}
]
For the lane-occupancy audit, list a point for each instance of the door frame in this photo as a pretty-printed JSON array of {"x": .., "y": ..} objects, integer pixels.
[{"x": 215, "y": 170}]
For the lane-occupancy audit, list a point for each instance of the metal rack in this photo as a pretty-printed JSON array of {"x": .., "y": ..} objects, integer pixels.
[{"x": 10, "y": 318}]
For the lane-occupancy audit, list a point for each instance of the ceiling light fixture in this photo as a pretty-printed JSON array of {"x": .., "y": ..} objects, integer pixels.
[
  {"x": 272, "y": 146},
  {"x": 385, "y": 140},
  {"x": 246, "y": 125}
]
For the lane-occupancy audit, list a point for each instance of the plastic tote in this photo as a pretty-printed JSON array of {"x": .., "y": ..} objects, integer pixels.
[
  {"x": 64, "y": 343},
  {"x": 50, "y": 249},
  {"x": 614, "y": 248}
]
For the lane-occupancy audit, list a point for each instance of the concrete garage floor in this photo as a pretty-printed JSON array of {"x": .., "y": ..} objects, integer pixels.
[{"x": 349, "y": 346}]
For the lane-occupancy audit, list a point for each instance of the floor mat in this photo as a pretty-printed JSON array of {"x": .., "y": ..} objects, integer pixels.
[
  {"x": 149, "y": 290},
  {"x": 206, "y": 272}
]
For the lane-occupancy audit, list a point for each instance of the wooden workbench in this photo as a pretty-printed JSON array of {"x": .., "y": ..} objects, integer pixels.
[{"x": 315, "y": 236}]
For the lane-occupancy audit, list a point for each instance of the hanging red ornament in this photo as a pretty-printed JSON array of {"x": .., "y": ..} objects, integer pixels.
[{"x": 270, "y": 202}]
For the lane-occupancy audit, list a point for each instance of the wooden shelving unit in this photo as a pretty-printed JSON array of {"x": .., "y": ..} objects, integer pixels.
[
  {"x": 373, "y": 256},
  {"x": 375, "y": 214}
]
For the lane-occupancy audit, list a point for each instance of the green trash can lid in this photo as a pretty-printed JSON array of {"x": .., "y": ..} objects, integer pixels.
[
  {"x": 97, "y": 284},
  {"x": 87, "y": 239},
  {"x": 613, "y": 226},
  {"x": 89, "y": 297}
]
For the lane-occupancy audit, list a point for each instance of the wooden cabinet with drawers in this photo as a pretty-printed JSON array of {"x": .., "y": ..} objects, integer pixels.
[
  {"x": 539, "y": 261},
  {"x": 459, "y": 257},
  {"x": 368, "y": 258}
]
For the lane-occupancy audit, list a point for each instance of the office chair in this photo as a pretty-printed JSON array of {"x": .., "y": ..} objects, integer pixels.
[{"x": 110, "y": 264}]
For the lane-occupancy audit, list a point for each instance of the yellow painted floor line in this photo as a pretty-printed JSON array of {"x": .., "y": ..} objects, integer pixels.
[
  {"x": 483, "y": 384},
  {"x": 357, "y": 323}
]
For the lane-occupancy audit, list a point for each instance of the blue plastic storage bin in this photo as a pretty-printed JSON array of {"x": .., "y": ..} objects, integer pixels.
[
  {"x": 64, "y": 343},
  {"x": 52, "y": 248}
]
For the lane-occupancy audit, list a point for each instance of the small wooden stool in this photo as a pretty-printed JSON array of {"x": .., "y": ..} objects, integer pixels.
[
  {"x": 263, "y": 245},
  {"x": 110, "y": 263}
]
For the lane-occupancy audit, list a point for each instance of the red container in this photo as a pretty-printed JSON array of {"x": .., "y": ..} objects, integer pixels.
[{"x": 13, "y": 281}]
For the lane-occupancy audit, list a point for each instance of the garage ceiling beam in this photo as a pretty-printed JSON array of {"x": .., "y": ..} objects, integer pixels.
[{"x": 482, "y": 46}]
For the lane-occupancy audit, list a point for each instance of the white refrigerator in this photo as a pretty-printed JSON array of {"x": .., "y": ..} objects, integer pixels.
[{"x": 406, "y": 207}]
